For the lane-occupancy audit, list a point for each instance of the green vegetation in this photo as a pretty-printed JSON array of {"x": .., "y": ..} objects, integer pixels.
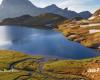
[
  {"x": 26, "y": 67},
  {"x": 91, "y": 40},
  {"x": 12, "y": 75},
  {"x": 30, "y": 64},
  {"x": 8, "y": 57},
  {"x": 73, "y": 69}
]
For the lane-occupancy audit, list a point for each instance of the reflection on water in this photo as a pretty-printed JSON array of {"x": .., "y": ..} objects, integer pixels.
[{"x": 41, "y": 42}]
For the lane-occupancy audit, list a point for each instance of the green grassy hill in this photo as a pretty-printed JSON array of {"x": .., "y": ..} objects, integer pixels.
[{"x": 27, "y": 67}]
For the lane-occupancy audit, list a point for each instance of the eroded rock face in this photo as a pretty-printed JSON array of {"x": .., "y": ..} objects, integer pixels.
[
  {"x": 95, "y": 16},
  {"x": 97, "y": 13}
]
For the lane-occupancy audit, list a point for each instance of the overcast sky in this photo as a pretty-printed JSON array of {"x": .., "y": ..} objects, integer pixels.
[{"x": 76, "y": 5}]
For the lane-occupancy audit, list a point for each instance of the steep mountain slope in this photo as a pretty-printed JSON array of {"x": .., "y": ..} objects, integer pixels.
[
  {"x": 53, "y": 9},
  {"x": 15, "y": 8},
  {"x": 97, "y": 13},
  {"x": 66, "y": 13},
  {"x": 96, "y": 16},
  {"x": 70, "y": 14},
  {"x": 85, "y": 14},
  {"x": 56, "y": 10}
]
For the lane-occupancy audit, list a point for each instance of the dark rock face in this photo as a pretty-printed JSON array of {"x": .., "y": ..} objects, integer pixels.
[
  {"x": 85, "y": 14},
  {"x": 53, "y": 9},
  {"x": 63, "y": 12},
  {"x": 70, "y": 14},
  {"x": 15, "y": 8}
]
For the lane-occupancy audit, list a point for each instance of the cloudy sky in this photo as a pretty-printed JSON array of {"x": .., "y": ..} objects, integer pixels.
[{"x": 76, "y": 5}]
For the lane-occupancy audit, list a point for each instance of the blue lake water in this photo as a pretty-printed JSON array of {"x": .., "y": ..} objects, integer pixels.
[{"x": 42, "y": 42}]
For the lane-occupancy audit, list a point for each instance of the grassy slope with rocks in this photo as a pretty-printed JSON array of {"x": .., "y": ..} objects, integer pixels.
[
  {"x": 40, "y": 68},
  {"x": 73, "y": 31}
]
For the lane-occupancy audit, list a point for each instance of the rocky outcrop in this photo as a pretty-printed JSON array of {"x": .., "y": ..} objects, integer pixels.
[
  {"x": 97, "y": 13},
  {"x": 83, "y": 32},
  {"x": 96, "y": 16}
]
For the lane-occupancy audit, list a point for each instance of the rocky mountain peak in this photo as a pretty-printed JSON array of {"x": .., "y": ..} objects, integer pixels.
[
  {"x": 85, "y": 14},
  {"x": 16, "y": 3},
  {"x": 15, "y": 8},
  {"x": 66, "y": 9},
  {"x": 53, "y": 6}
]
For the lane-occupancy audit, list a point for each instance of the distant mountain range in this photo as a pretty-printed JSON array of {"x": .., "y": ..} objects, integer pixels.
[{"x": 15, "y": 8}]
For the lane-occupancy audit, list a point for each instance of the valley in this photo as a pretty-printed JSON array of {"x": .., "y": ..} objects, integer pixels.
[
  {"x": 51, "y": 42},
  {"x": 76, "y": 29}
]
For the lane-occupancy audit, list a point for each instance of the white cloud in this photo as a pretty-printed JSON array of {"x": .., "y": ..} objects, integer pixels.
[
  {"x": 0, "y": 1},
  {"x": 79, "y": 5}
]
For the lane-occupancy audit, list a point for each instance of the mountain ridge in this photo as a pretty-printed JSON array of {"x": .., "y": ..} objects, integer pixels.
[
  {"x": 47, "y": 20},
  {"x": 15, "y": 8}
]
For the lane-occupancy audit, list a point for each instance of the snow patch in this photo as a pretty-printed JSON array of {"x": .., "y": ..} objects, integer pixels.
[
  {"x": 93, "y": 17},
  {"x": 90, "y": 25},
  {"x": 93, "y": 31}
]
